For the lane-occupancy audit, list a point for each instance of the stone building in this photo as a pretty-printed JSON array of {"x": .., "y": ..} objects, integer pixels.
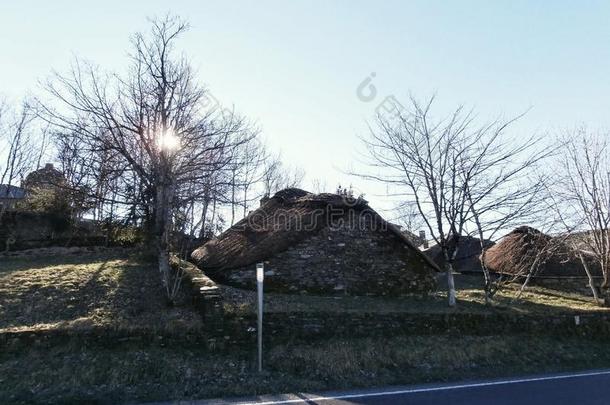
[
  {"x": 467, "y": 258},
  {"x": 45, "y": 177},
  {"x": 10, "y": 196},
  {"x": 526, "y": 249},
  {"x": 319, "y": 244}
]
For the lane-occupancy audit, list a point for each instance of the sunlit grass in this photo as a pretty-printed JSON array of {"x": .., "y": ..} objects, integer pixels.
[
  {"x": 471, "y": 299},
  {"x": 119, "y": 291}
]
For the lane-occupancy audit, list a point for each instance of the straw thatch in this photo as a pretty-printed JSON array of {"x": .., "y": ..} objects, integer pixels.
[
  {"x": 525, "y": 249},
  {"x": 45, "y": 177},
  {"x": 317, "y": 243},
  {"x": 290, "y": 216}
]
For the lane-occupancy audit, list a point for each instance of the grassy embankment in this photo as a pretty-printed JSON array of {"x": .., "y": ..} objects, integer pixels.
[{"x": 121, "y": 291}]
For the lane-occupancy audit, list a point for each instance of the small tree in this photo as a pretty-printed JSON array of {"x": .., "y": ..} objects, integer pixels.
[{"x": 278, "y": 176}]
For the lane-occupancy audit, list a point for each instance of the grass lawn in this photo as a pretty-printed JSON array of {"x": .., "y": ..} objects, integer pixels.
[
  {"x": 121, "y": 290},
  {"x": 117, "y": 289},
  {"x": 535, "y": 300}
]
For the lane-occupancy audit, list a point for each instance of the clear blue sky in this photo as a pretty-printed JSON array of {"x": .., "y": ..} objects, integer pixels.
[{"x": 294, "y": 66}]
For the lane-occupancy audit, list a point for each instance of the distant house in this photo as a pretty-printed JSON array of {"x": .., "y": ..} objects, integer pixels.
[
  {"x": 46, "y": 177},
  {"x": 467, "y": 259},
  {"x": 418, "y": 240},
  {"x": 320, "y": 244},
  {"x": 10, "y": 196},
  {"x": 526, "y": 249}
]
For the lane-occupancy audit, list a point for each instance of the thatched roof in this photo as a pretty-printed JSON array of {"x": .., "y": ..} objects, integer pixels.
[
  {"x": 467, "y": 258},
  {"x": 290, "y": 216},
  {"x": 526, "y": 247},
  {"x": 46, "y": 176},
  {"x": 584, "y": 240}
]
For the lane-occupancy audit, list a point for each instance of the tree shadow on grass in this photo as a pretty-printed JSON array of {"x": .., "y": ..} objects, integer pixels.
[
  {"x": 16, "y": 264},
  {"x": 109, "y": 290}
]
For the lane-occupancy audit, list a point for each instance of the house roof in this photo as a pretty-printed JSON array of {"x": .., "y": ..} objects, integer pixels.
[
  {"x": 45, "y": 176},
  {"x": 467, "y": 257},
  {"x": 11, "y": 192},
  {"x": 290, "y": 216},
  {"x": 517, "y": 252},
  {"x": 584, "y": 240}
]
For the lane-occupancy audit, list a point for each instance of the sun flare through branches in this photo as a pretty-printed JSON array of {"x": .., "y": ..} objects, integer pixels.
[{"x": 168, "y": 141}]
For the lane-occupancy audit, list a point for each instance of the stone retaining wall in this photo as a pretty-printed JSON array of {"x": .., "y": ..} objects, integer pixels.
[
  {"x": 230, "y": 332},
  {"x": 224, "y": 332}
]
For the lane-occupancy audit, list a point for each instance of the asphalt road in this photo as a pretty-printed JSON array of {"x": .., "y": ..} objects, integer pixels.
[{"x": 583, "y": 388}]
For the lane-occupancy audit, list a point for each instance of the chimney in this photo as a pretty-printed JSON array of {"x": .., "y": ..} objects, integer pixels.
[
  {"x": 422, "y": 236},
  {"x": 48, "y": 166},
  {"x": 264, "y": 200}
]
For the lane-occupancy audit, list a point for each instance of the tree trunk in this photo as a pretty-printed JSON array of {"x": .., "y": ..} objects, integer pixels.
[
  {"x": 163, "y": 218},
  {"x": 451, "y": 295},
  {"x": 605, "y": 285},
  {"x": 450, "y": 285},
  {"x": 533, "y": 268},
  {"x": 486, "y": 276},
  {"x": 590, "y": 277},
  {"x": 204, "y": 216}
]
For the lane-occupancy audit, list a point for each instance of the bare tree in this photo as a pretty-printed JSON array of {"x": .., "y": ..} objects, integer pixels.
[
  {"x": 153, "y": 119},
  {"x": 278, "y": 176},
  {"x": 584, "y": 191},
  {"x": 500, "y": 186},
  {"x": 319, "y": 186},
  {"x": 19, "y": 155},
  {"x": 541, "y": 249},
  {"x": 453, "y": 171},
  {"x": 419, "y": 156},
  {"x": 570, "y": 223},
  {"x": 247, "y": 170}
]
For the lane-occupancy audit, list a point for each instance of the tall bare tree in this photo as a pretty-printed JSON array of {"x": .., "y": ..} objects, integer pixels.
[
  {"x": 449, "y": 169},
  {"x": 502, "y": 185},
  {"x": 584, "y": 191},
  {"x": 153, "y": 119},
  {"x": 418, "y": 157}
]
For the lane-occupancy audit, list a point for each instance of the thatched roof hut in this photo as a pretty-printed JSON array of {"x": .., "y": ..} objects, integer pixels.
[
  {"x": 320, "y": 243},
  {"x": 467, "y": 257},
  {"x": 527, "y": 248},
  {"x": 45, "y": 177}
]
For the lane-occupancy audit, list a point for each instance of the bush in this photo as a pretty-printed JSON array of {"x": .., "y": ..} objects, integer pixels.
[
  {"x": 118, "y": 234},
  {"x": 47, "y": 200}
]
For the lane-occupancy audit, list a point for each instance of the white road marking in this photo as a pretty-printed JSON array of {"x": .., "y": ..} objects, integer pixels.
[{"x": 429, "y": 389}]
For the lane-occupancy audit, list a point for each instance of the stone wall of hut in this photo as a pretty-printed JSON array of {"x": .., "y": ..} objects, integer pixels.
[{"x": 350, "y": 260}]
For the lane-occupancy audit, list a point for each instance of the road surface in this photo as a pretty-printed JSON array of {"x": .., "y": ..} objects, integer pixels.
[{"x": 582, "y": 388}]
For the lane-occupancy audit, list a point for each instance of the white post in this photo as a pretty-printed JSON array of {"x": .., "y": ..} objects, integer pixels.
[{"x": 260, "y": 275}]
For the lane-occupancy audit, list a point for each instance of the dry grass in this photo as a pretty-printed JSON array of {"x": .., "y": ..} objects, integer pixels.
[
  {"x": 119, "y": 290},
  {"x": 139, "y": 374},
  {"x": 536, "y": 300}
]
